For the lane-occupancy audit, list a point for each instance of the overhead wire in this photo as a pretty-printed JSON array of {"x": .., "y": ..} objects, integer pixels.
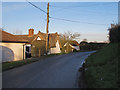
[
  {"x": 62, "y": 18},
  {"x": 76, "y": 21},
  {"x": 36, "y": 7}
]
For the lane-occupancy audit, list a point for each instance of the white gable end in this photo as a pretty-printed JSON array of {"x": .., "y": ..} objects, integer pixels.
[
  {"x": 75, "y": 47},
  {"x": 57, "y": 44},
  {"x": 38, "y": 38},
  {"x": 56, "y": 49}
]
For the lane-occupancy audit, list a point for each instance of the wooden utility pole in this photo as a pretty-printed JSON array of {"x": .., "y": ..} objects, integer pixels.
[{"x": 47, "y": 28}]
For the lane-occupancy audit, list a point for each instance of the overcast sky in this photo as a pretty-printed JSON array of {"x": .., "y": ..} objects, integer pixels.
[{"x": 92, "y": 18}]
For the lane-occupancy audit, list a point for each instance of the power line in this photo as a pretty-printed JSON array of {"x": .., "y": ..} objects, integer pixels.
[
  {"x": 62, "y": 18},
  {"x": 76, "y": 21},
  {"x": 36, "y": 7}
]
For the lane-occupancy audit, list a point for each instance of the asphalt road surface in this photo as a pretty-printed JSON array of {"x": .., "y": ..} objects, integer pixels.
[{"x": 53, "y": 72}]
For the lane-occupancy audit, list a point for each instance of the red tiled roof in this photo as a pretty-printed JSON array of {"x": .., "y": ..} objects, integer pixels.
[
  {"x": 29, "y": 39},
  {"x": 75, "y": 42},
  {"x": 5, "y": 36}
]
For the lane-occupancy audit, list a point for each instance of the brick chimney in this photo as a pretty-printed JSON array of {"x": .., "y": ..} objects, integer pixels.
[{"x": 31, "y": 32}]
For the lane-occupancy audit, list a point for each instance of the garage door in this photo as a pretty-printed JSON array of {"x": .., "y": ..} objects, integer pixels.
[{"x": 7, "y": 54}]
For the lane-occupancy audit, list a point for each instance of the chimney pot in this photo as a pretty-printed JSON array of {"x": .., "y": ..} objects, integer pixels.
[{"x": 56, "y": 33}]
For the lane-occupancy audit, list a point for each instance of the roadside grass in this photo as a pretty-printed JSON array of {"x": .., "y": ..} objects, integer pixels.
[
  {"x": 13, "y": 64},
  {"x": 102, "y": 68}
]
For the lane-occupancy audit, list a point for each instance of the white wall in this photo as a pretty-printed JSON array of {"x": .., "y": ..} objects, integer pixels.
[
  {"x": 75, "y": 47},
  {"x": 56, "y": 49},
  {"x": 12, "y": 51}
]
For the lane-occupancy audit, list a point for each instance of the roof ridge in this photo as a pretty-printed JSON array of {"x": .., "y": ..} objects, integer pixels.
[
  {"x": 24, "y": 35},
  {"x": 7, "y": 32}
]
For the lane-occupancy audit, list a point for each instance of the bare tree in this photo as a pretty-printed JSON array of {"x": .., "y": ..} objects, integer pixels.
[
  {"x": 68, "y": 36},
  {"x": 17, "y": 32}
]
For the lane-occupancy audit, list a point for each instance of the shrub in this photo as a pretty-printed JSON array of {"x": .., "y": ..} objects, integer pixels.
[{"x": 114, "y": 34}]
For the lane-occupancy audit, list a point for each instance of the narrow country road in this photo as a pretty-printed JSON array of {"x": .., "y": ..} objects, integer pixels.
[{"x": 53, "y": 72}]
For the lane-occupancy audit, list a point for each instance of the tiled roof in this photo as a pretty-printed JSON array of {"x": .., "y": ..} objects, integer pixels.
[
  {"x": 26, "y": 38},
  {"x": 33, "y": 37},
  {"x": 74, "y": 43},
  {"x": 7, "y": 37}
]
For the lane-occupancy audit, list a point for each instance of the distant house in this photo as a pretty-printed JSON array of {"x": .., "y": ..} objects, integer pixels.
[
  {"x": 71, "y": 46},
  {"x": 18, "y": 47}
]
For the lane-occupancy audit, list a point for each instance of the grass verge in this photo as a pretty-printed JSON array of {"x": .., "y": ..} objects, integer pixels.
[
  {"x": 102, "y": 68},
  {"x": 13, "y": 64}
]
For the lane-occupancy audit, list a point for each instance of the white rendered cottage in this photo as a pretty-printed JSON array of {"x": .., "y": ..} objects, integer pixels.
[{"x": 15, "y": 47}]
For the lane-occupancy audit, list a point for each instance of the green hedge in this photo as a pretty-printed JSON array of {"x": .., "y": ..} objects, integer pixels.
[
  {"x": 92, "y": 46},
  {"x": 114, "y": 34}
]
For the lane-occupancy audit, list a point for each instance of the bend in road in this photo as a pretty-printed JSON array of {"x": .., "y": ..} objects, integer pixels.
[{"x": 53, "y": 72}]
